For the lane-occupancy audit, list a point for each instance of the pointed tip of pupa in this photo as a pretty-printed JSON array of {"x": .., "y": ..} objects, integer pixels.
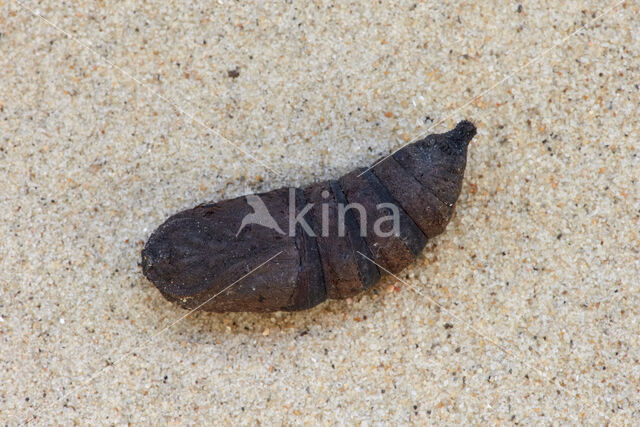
[{"x": 462, "y": 134}]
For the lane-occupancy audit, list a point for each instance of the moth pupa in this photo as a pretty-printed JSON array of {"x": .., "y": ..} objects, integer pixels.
[{"x": 324, "y": 235}]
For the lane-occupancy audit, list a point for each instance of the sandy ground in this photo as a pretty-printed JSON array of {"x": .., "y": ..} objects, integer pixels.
[{"x": 114, "y": 115}]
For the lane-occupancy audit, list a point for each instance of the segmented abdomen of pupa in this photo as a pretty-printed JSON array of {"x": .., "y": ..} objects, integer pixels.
[{"x": 327, "y": 237}]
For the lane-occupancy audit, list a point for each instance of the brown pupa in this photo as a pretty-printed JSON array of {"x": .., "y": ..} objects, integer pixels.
[{"x": 318, "y": 238}]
